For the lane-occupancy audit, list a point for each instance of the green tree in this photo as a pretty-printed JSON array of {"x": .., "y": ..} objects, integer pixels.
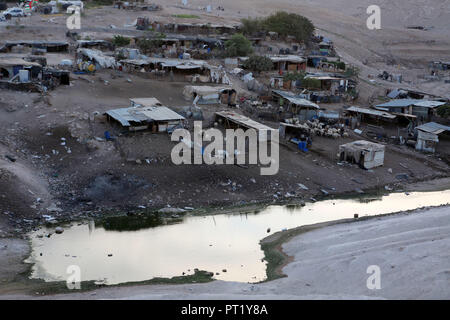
[
  {"x": 351, "y": 71},
  {"x": 444, "y": 111},
  {"x": 290, "y": 24},
  {"x": 120, "y": 41},
  {"x": 238, "y": 46},
  {"x": 305, "y": 82},
  {"x": 294, "y": 76},
  {"x": 258, "y": 63},
  {"x": 311, "y": 83},
  {"x": 147, "y": 45},
  {"x": 252, "y": 26}
]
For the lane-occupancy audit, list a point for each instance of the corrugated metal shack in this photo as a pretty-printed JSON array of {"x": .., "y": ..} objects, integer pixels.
[
  {"x": 235, "y": 120},
  {"x": 427, "y": 136},
  {"x": 210, "y": 94},
  {"x": 366, "y": 154},
  {"x": 146, "y": 113},
  {"x": 423, "y": 109},
  {"x": 47, "y": 46},
  {"x": 298, "y": 106}
]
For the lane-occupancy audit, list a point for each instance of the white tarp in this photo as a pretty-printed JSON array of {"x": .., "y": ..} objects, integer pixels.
[{"x": 99, "y": 57}]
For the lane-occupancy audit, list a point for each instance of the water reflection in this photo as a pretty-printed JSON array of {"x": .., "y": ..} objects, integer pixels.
[
  {"x": 151, "y": 248},
  {"x": 131, "y": 223}
]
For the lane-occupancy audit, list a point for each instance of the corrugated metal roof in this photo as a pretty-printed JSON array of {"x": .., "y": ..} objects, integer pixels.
[
  {"x": 125, "y": 117},
  {"x": 284, "y": 94},
  {"x": 398, "y": 103},
  {"x": 296, "y": 99},
  {"x": 143, "y": 114},
  {"x": 288, "y": 58},
  {"x": 279, "y": 58},
  {"x": 166, "y": 62},
  {"x": 176, "y": 62},
  {"x": 310, "y": 76},
  {"x": 160, "y": 114},
  {"x": 36, "y": 42},
  {"x": 17, "y": 62},
  {"x": 243, "y": 120},
  {"x": 302, "y": 102},
  {"x": 92, "y": 42},
  {"x": 411, "y": 102},
  {"x": 429, "y": 104},
  {"x": 137, "y": 62},
  {"x": 395, "y": 93},
  {"x": 433, "y": 127},
  {"x": 372, "y": 112}
]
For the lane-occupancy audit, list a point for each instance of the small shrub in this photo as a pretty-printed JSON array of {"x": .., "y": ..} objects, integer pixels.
[
  {"x": 121, "y": 41},
  {"x": 294, "y": 76},
  {"x": 444, "y": 111},
  {"x": 305, "y": 82},
  {"x": 311, "y": 83},
  {"x": 97, "y": 3},
  {"x": 352, "y": 71},
  {"x": 186, "y": 16},
  {"x": 258, "y": 64}
]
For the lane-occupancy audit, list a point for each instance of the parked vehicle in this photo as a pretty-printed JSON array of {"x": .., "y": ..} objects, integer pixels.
[{"x": 13, "y": 12}]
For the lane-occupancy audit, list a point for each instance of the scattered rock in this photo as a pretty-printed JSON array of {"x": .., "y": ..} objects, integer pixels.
[
  {"x": 53, "y": 208},
  {"x": 59, "y": 230},
  {"x": 10, "y": 158},
  {"x": 402, "y": 176},
  {"x": 302, "y": 186}
]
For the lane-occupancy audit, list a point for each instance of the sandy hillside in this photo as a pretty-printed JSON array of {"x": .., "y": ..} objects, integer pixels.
[{"x": 394, "y": 48}]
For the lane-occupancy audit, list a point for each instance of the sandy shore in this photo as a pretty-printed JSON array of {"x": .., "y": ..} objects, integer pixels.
[{"x": 412, "y": 251}]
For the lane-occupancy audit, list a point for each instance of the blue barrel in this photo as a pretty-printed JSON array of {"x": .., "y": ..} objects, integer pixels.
[{"x": 302, "y": 145}]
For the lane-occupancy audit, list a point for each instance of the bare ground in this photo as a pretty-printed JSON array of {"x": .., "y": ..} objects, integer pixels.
[
  {"x": 96, "y": 175},
  {"x": 85, "y": 174}
]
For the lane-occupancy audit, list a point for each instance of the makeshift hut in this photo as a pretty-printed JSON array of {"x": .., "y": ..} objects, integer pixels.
[
  {"x": 366, "y": 154},
  {"x": 210, "y": 94},
  {"x": 427, "y": 136}
]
